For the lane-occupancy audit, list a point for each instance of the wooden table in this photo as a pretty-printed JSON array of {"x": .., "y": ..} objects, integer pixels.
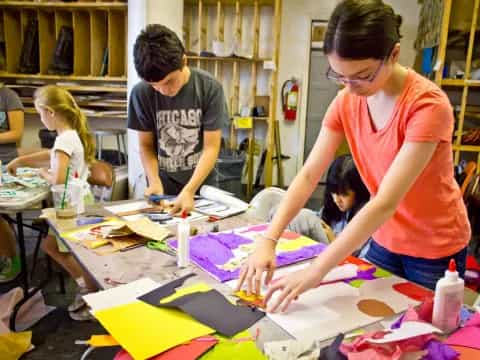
[{"x": 142, "y": 262}]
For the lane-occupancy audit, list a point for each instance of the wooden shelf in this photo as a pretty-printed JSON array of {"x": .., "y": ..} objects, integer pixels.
[
  {"x": 64, "y": 5},
  {"x": 460, "y": 82},
  {"x": 231, "y": 2},
  {"x": 227, "y": 59},
  {"x": 468, "y": 148},
  {"x": 7, "y": 75},
  {"x": 79, "y": 88}
]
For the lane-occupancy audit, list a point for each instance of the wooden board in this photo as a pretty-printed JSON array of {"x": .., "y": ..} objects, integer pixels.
[
  {"x": 81, "y": 43},
  {"x": 98, "y": 40},
  {"x": 117, "y": 35}
]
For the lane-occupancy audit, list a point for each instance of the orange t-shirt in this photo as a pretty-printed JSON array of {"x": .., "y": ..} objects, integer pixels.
[{"x": 431, "y": 220}]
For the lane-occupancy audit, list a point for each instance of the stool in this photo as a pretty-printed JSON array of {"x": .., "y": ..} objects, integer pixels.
[{"x": 119, "y": 134}]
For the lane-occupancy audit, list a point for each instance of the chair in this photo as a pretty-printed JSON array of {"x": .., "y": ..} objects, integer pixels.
[
  {"x": 120, "y": 135},
  {"x": 262, "y": 204},
  {"x": 102, "y": 180}
]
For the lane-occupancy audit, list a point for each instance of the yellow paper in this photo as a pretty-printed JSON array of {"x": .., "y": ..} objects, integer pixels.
[
  {"x": 295, "y": 244},
  {"x": 243, "y": 122},
  {"x": 13, "y": 345},
  {"x": 200, "y": 287},
  {"x": 102, "y": 340},
  {"x": 144, "y": 330}
]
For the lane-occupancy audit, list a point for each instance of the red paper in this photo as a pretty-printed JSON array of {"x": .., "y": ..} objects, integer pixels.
[
  {"x": 472, "y": 264},
  {"x": 290, "y": 235},
  {"x": 413, "y": 291},
  {"x": 190, "y": 351}
]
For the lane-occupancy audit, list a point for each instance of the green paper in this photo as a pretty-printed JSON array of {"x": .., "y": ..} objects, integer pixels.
[
  {"x": 356, "y": 283},
  {"x": 380, "y": 273},
  {"x": 227, "y": 349}
]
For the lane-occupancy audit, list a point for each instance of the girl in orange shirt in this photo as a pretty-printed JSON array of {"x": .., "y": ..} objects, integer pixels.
[{"x": 398, "y": 126}]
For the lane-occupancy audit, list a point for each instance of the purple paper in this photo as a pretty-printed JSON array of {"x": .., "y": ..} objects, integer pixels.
[
  {"x": 439, "y": 351},
  {"x": 209, "y": 251},
  {"x": 397, "y": 323}
]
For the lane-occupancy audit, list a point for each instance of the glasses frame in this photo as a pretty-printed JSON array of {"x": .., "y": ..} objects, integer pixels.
[{"x": 342, "y": 80}]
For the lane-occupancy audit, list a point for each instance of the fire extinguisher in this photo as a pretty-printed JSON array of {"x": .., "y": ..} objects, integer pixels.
[{"x": 290, "y": 90}]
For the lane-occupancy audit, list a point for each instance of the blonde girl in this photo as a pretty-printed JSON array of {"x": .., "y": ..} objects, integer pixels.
[{"x": 74, "y": 148}]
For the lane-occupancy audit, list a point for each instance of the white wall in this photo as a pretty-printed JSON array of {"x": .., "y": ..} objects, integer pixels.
[{"x": 294, "y": 61}]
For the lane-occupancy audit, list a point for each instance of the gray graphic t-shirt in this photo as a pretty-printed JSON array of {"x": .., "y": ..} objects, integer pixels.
[
  {"x": 179, "y": 122},
  {"x": 9, "y": 101}
]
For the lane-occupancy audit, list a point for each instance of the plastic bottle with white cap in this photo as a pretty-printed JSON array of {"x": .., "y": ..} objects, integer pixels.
[
  {"x": 448, "y": 300},
  {"x": 183, "y": 240}
]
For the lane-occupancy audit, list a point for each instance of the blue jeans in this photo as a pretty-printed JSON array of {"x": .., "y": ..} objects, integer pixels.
[{"x": 425, "y": 272}]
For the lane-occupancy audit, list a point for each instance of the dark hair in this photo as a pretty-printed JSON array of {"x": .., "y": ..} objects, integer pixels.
[
  {"x": 157, "y": 52},
  {"x": 342, "y": 177},
  {"x": 362, "y": 29}
]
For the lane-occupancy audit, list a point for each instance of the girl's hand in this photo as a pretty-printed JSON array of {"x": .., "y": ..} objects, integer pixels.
[
  {"x": 292, "y": 286},
  {"x": 13, "y": 166},
  {"x": 44, "y": 173},
  {"x": 261, "y": 260},
  {"x": 328, "y": 231}
]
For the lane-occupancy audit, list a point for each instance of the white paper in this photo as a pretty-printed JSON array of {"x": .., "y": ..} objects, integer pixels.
[
  {"x": 341, "y": 272},
  {"x": 134, "y": 206},
  {"x": 223, "y": 205},
  {"x": 120, "y": 295},
  {"x": 407, "y": 330}
]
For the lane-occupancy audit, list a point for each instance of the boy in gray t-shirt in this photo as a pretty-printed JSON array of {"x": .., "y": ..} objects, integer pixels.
[{"x": 178, "y": 113}]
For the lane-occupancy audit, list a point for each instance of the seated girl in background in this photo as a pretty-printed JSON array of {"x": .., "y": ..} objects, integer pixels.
[
  {"x": 344, "y": 196},
  {"x": 11, "y": 132},
  {"x": 74, "y": 148}
]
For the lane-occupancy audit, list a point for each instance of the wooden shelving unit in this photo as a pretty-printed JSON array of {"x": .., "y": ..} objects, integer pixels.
[
  {"x": 466, "y": 83},
  {"x": 202, "y": 11},
  {"x": 99, "y": 32}
]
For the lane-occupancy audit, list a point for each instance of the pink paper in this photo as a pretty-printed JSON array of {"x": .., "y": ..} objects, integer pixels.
[{"x": 467, "y": 336}]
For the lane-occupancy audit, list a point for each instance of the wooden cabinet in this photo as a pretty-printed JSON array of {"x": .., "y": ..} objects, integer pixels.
[{"x": 99, "y": 51}]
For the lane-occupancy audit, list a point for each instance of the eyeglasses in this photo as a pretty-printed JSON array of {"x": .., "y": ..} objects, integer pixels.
[{"x": 342, "y": 80}]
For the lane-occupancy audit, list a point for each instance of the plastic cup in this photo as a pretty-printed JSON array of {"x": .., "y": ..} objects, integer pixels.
[{"x": 71, "y": 198}]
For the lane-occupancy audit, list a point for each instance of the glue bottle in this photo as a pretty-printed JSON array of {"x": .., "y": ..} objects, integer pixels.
[
  {"x": 448, "y": 300},
  {"x": 183, "y": 239}
]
